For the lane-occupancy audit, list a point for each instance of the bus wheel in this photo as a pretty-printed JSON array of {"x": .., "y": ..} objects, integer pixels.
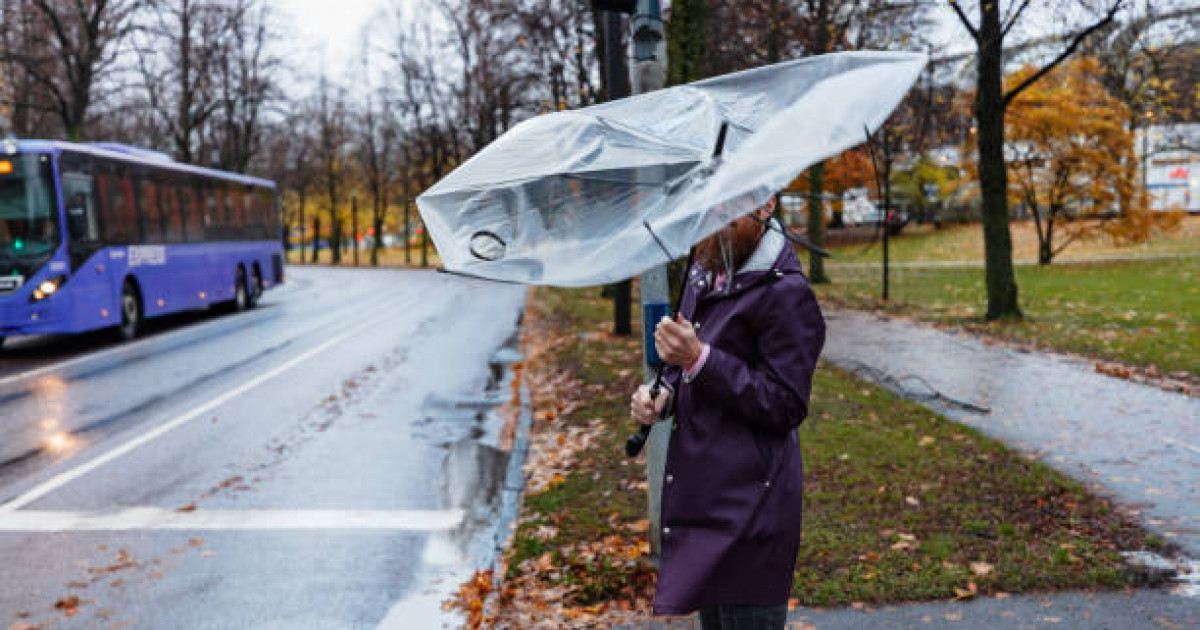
[
  {"x": 256, "y": 288},
  {"x": 241, "y": 295},
  {"x": 1, "y": 343},
  {"x": 131, "y": 312}
]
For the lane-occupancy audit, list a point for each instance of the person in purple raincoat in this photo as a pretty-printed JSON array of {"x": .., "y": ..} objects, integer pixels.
[{"x": 741, "y": 355}]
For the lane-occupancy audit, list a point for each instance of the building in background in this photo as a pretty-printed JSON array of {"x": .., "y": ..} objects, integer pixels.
[{"x": 1171, "y": 166}]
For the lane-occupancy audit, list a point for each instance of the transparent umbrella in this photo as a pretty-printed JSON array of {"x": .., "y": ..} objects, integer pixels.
[{"x": 595, "y": 195}]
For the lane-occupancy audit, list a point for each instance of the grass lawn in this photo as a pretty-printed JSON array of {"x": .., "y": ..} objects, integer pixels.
[
  {"x": 901, "y": 504},
  {"x": 965, "y": 243},
  {"x": 1142, "y": 313}
]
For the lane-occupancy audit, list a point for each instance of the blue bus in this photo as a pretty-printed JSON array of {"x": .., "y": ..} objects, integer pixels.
[{"x": 103, "y": 235}]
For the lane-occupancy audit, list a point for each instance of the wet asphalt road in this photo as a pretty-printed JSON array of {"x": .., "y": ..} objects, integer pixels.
[{"x": 293, "y": 467}]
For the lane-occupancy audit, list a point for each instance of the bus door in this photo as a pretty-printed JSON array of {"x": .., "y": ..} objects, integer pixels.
[{"x": 91, "y": 285}]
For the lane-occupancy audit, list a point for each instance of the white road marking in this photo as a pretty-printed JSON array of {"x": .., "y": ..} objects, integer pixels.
[
  {"x": 68, "y": 476},
  {"x": 1183, "y": 444},
  {"x": 152, "y": 518}
]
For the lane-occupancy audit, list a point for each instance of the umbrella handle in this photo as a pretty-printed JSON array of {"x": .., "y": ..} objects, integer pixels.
[{"x": 637, "y": 441}]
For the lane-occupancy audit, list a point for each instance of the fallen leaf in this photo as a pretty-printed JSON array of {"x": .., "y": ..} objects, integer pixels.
[
  {"x": 926, "y": 441},
  {"x": 69, "y": 605},
  {"x": 981, "y": 568},
  {"x": 912, "y": 501}
]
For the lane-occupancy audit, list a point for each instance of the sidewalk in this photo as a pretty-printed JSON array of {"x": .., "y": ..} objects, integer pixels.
[{"x": 1107, "y": 611}]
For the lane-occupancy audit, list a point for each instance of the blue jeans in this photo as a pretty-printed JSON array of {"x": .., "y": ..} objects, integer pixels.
[{"x": 733, "y": 617}]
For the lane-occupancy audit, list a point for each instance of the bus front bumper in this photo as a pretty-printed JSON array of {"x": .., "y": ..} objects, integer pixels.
[{"x": 20, "y": 317}]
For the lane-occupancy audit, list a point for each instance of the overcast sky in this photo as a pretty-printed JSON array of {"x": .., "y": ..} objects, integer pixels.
[{"x": 330, "y": 28}]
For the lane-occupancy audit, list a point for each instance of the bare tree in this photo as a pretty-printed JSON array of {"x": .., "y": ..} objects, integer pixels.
[
  {"x": 246, "y": 72},
  {"x": 26, "y": 103},
  {"x": 81, "y": 48},
  {"x": 178, "y": 50},
  {"x": 330, "y": 117},
  {"x": 375, "y": 148},
  {"x": 991, "y": 101}
]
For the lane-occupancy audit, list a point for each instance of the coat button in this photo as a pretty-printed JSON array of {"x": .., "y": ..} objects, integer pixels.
[
  {"x": 670, "y": 478},
  {"x": 766, "y": 484},
  {"x": 666, "y": 530}
]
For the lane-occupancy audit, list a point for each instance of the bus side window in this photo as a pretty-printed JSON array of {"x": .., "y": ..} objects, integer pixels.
[
  {"x": 119, "y": 220},
  {"x": 249, "y": 219},
  {"x": 168, "y": 194},
  {"x": 79, "y": 201},
  {"x": 193, "y": 211},
  {"x": 149, "y": 213},
  {"x": 210, "y": 208},
  {"x": 264, "y": 202},
  {"x": 227, "y": 205}
]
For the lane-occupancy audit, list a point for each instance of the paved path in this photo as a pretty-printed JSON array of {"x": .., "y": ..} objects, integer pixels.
[
  {"x": 1137, "y": 442},
  {"x": 1074, "y": 611}
]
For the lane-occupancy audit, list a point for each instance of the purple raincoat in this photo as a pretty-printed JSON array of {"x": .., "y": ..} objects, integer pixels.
[{"x": 731, "y": 499}]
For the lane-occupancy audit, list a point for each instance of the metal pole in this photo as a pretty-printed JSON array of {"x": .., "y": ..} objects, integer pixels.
[
  {"x": 887, "y": 207},
  {"x": 648, "y": 72}
]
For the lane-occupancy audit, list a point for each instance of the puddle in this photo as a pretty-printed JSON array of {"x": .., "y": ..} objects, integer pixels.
[
  {"x": 1182, "y": 575},
  {"x": 479, "y": 478}
]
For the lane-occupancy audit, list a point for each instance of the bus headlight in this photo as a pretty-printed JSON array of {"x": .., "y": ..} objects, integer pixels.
[{"x": 47, "y": 288}]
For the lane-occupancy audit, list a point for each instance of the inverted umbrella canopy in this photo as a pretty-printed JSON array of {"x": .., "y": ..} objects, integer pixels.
[{"x": 578, "y": 198}]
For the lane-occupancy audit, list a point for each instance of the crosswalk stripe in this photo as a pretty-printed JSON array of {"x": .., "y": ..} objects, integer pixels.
[{"x": 153, "y": 518}]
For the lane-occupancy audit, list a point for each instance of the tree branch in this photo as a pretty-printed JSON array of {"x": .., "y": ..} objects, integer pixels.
[
  {"x": 1067, "y": 52},
  {"x": 1016, "y": 15},
  {"x": 962, "y": 17}
]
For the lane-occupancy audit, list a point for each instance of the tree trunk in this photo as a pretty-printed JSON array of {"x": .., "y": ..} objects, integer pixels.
[
  {"x": 1046, "y": 245},
  {"x": 407, "y": 234},
  {"x": 376, "y": 240},
  {"x": 993, "y": 178},
  {"x": 316, "y": 237},
  {"x": 816, "y": 223},
  {"x": 335, "y": 238}
]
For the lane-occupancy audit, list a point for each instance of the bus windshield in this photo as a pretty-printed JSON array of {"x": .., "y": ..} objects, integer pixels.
[{"x": 28, "y": 220}]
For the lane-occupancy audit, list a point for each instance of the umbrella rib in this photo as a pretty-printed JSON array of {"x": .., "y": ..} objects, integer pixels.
[
  {"x": 451, "y": 272},
  {"x": 661, "y": 245}
]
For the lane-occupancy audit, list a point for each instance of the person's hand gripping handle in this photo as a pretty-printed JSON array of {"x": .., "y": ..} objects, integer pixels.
[{"x": 646, "y": 406}]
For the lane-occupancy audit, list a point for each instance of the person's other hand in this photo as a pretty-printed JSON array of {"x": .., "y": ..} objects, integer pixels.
[
  {"x": 647, "y": 411},
  {"x": 677, "y": 343}
]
